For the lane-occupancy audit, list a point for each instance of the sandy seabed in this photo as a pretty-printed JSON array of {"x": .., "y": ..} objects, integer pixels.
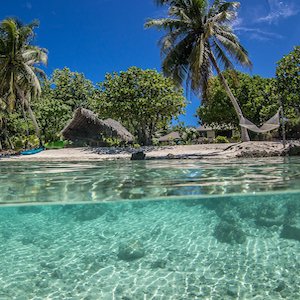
[{"x": 75, "y": 252}]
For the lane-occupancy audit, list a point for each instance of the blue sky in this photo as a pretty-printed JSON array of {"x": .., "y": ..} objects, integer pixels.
[{"x": 99, "y": 36}]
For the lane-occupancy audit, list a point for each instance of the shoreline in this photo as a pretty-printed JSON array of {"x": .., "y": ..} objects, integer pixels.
[{"x": 200, "y": 151}]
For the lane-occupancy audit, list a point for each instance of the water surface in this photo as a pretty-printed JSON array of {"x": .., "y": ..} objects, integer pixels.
[
  {"x": 117, "y": 180},
  {"x": 150, "y": 230}
]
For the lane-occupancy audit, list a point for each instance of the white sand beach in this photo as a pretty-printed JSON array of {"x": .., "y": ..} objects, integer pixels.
[{"x": 207, "y": 151}]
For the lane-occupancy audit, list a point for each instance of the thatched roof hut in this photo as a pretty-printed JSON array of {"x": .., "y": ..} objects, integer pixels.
[
  {"x": 85, "y": 126},
  {"x": 172, "y": 136}
]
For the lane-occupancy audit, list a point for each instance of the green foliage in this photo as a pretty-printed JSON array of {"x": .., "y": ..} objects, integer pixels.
[
  {"x": 142, "y": 100},
  {"x": 19, "y": 71},
  {"x": 236, "y": 137},
  {"x": 205, "y": 140},
  {"x": 288, "y": 78},
  {"x": 22, "y": 142},
  {"x": 221, "y": 140},
  {"x": 136, "y": 146},
  {"x": 197, "y": 35},
  {"x": 189, "y": 135},
  {"x": 180, "y": 126},
  {"x": 61, "y": 95},
  {"x": 72, "y": 88},
  {"x": 257, "y": 97},
  {"x": 155, "y": 142},
  {"x": 288, "y": 84},
  {"x": 112, "y": 142},
  {"x": 57, "y": 144},
  {"x": 199, "y": 39}
]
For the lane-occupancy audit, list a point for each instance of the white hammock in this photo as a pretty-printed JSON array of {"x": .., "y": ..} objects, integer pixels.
[{"x": 270, "y": 125}]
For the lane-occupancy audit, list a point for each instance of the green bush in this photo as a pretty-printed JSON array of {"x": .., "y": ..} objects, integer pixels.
[
  {"x": 112, "y": 142},
  {"x": 19, "y": 142},
  {"x": 236, "y": 137},
  {"x": 136, "y": 146},
  {"x": 221, "y": 140},
  {"x": 189, "y": 135},
  {"x": 205, "y": 140},
  {"x": 57, "y": 144},
  {"x": 155, "y": 142}
]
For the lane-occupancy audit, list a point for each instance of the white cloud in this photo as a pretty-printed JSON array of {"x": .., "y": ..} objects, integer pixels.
[
  {"x": 279, "y": 10},
  {"x": 258, "y": 34},
  {"x": 249, "y": 28}
]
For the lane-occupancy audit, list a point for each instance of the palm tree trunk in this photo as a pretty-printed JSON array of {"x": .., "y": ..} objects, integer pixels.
[
  {"x": 244, "y": 131},
  {"x": 26, "y": 103},
  {"x": 10, "y": 143}
]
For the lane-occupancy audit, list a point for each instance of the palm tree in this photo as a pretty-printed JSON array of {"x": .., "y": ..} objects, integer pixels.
[
  {"x": 198, "y": 39},
  {"x": 19, "y": 74}
]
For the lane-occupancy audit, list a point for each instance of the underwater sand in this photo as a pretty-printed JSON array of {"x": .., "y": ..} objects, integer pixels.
[{"x": 56, "y": 252}]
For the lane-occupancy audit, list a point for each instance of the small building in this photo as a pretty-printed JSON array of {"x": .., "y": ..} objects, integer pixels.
[
  {"x": 86, "y": 127},
  {"x": 207, "y": 132},
  {"x": 211, "y": 132},
  {"x": 173, "y": 136}
]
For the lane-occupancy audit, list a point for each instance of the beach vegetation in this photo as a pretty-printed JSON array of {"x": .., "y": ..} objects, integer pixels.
[
  {"x": 257, "y": 96},
  {"x": 189, "y": 135},
  {"x": 61, "y": 94},
  {"x": 288, "y": 86},
  {"x": 199, "y": 38},
  {"x": 144, "y": 101},
  {"x": 221, "y": 139},
  {"x": 112, "y": 142},
  {"x": 19, "y": 68},
  {"x": 199, "y": 43}
]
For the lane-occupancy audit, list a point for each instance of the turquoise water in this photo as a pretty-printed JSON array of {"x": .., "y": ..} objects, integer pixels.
[{"x": 150, "y": 230}]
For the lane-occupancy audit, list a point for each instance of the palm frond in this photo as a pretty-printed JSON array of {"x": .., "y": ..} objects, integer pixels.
[{"x": 197, "y": 36}]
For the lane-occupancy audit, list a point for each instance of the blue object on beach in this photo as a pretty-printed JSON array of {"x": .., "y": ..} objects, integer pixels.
[{"x": 32, "y": 151}]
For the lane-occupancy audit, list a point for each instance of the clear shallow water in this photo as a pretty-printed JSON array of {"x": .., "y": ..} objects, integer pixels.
[
  {"x": 223, "y": 230},
  {"x": 117, "y": 180}
]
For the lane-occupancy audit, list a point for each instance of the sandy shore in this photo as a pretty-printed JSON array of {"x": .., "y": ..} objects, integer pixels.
[{"x": 207, "y": 151}]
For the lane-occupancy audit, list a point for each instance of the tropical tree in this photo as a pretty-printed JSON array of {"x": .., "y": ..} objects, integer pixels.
[
  {"x": 198, "y": 39},
  {"x": 61, "y": 94},
  {"x": 257, "y": 96},
  {"x": 144, "y": 101},
  {"x": 19, "y": 73},
  {"x": 288, "y": 85},
  {"x": 72, "y": 88}
]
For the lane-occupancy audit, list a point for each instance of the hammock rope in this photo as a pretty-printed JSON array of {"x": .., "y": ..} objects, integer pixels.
[{"x": 270, "y": 125}]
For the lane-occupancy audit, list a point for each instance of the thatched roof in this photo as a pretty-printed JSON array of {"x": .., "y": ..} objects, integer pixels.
[
  {"x": 86, "y": 126},
  {"x": 170, "y": 137}
]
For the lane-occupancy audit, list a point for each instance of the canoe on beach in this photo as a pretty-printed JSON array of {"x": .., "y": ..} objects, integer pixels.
[{"x": 32, "y": 151}]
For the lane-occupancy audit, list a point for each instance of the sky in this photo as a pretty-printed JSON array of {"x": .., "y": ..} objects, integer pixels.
[{"x": 99, "y": 36}]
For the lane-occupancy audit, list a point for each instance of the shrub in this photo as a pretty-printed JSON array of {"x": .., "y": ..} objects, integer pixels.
[
  {"x": 112, "y": 142},
  {"x": 136, "y": 146},
  {"x": 189, "y": 135},
  {"x": 205, "y": 140},
  {"x": 221, "y": 139},
  {"x": 236, "y": 137}
]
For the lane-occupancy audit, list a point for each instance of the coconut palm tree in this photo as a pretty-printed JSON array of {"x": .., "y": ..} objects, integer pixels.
[
  {"x": 199, "y": 39},
  {"x": 19, "y": 72}
]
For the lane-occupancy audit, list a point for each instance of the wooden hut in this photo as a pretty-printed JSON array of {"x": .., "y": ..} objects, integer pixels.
[
  {"x": 212, "y": 132},
  {"x": 85, "y": 126}
]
